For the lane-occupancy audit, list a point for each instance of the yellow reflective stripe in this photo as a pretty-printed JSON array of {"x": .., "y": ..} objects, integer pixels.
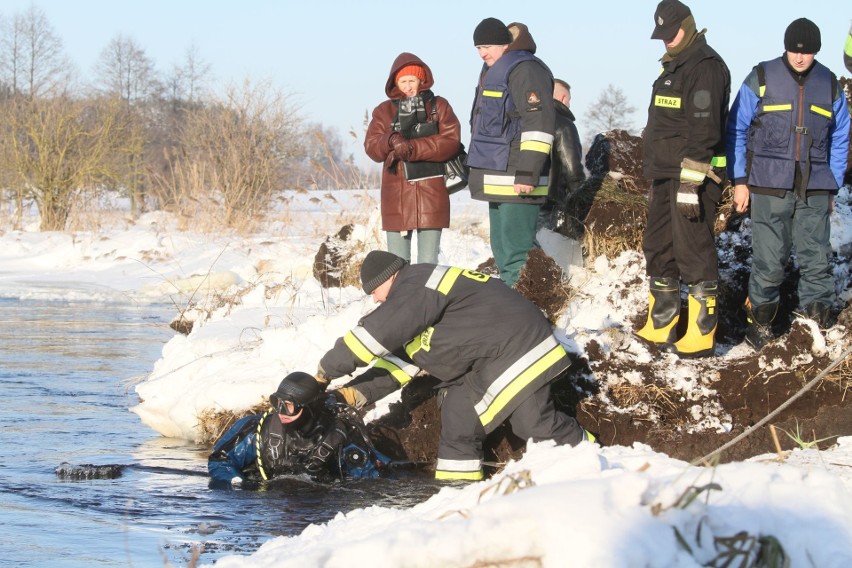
[
  {"x": 848, "y": 48},
  {"x": 535, "y": 146},
  {"x": 257, "y": 449},
  {"x": 358, "y": 349},
  {"x": 774, "y": 108},
  {"x": 421, "y": 342},
  {"x": 409, "y": 369},
  {"x": 504, "y": 185},
  {"x": 449, "y": 475},
  {"x": 502, "y": 190},
  {"x": 412, "y": 347},
  {"x": 822, "y": 111},
  {"x": 667, "y": 102},
  {"x": 762, "y": 91},
  {"x": 443, "y": 278},
  {"x": 536, "y": 141},
  {"x": 448, "y": 280},
  {"x": 691, "y": 175},
  {"x": 396, "y": 372},
  {"x": 369, "y": 342},
  {"x": 495, "y": 94},
  {"x": 517, "y": 377},
  {"x": 719, "y": 161},
  {"x": 458, "y": 469}
]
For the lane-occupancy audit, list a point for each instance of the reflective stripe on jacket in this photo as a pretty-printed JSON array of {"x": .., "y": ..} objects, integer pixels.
[
  {"x": 512, "y": 127},
  {"x": 792, "y": 124},
  {"x": 687, "y": 114}
]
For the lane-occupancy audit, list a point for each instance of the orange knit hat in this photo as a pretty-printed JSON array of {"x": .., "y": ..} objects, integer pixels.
[{"x": 413, "y": 70}]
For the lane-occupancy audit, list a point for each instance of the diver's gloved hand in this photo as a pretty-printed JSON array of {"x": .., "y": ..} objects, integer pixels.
[{"x": 347, "y": 395}]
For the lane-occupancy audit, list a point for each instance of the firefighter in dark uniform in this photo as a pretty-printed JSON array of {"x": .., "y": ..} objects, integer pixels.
[
  {"x": 511, "y": 136},
  {"x": 684, "y": 159},
  {"x": 493, "y": 350}
]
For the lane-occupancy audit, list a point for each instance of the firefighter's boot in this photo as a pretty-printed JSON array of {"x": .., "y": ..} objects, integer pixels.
[
  {"x": 700, "y": 337},
  {"x": 759, "y": 319},
  {"x": 663, "y": 310}
]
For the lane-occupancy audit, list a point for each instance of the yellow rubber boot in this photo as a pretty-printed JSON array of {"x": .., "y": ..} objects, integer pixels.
[
  {"x": 663, "y": 310},
  {"x": 700, "y": 337}
]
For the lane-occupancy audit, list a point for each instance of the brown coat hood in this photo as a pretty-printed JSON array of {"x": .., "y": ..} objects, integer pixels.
[
  {"x": 522, "y": 39},
  {"x": 403, "y": 59}
]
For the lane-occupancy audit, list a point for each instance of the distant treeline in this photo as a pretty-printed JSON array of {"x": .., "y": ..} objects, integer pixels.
[{"x": 161, "y": 140}]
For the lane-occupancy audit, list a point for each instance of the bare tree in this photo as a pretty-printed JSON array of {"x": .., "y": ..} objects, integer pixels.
[
  {"x": 328, "y": 166},
  {"x": 32, "y": 59},
  {"x": 610, "y": 112},
  {"x": 125, "y": 70},
  {"x": 233, "y": 155},
  {"x": 187, "y": 81},
  {"x": 58, "y": 148},
  {"x": 126, "y": 73}
]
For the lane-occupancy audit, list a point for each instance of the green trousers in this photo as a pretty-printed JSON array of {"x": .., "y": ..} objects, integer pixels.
[{"x": 512, "y": 236}]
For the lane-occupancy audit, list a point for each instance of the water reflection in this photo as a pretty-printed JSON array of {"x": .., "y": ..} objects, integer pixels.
[{"x": 65, "y": 399}]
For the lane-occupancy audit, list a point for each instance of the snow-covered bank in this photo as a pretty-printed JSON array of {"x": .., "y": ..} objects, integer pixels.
[
  {"x": 587, "y": 506},
  {"x": 262, "y": 314}
]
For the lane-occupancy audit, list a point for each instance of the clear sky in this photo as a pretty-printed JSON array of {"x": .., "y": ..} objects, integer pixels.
[{"x": 334, "y": 56}]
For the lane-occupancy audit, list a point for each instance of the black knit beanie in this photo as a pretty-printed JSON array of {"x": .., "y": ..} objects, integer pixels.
[
  {"x": 378, "y": 266},
  {"x": 802, "y": 36},
  {"x": 491, "y": 31}
]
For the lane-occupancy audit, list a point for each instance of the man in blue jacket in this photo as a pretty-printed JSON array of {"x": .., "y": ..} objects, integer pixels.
[{"x": 788, "y": 140}]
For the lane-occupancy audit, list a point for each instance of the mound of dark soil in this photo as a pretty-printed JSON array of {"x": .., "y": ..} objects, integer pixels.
[
  {"x": 608, "y": 213},
  {"x": 652, "y": 413}
]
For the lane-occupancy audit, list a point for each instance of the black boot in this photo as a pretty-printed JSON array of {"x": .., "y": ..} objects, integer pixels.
[
  {"x": 700, "y": 337},
  {"x": 820, "y": 313},
  {"x": 759, "y": 318},
  {"x": 663, "y": 310}
]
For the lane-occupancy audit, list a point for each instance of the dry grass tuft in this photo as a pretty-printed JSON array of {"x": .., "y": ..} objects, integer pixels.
[
  {"x": 213, "y": 423},
  {"x": 615, "y": 222},
  {"x": 659, "y": 399},
  {"x": 841, "y": 377}
]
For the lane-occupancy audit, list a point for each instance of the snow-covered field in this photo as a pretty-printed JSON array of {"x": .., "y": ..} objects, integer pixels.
[{"x": 260, "y": 314}]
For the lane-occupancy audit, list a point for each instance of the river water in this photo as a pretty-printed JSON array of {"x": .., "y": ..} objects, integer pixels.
[{"x": 66, "y": 374}]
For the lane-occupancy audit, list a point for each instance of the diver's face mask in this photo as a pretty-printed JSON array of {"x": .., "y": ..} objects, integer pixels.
[{"x": 285, "y": 407}]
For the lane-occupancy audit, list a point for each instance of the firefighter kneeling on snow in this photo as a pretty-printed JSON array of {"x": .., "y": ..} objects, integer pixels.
[{"x": 492, "y": 349}]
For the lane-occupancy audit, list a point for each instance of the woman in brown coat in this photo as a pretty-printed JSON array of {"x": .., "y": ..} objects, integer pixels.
[{"x": 413, "y": 133}]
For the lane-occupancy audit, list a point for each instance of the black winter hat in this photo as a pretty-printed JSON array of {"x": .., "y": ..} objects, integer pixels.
[
  {"x": 300, "y": 388},
  {"x": 378, "y": 266},
  {"x": 802, "y": 36},
  {"x": 668, "y": 17},
  {"x": 491, "y": 31}
]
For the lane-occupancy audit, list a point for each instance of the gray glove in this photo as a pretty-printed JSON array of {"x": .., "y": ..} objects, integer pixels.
[{"x": 687, "y": 200}]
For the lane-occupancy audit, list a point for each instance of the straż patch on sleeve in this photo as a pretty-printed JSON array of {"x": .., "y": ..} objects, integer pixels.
[{"x": 533, "y": 101}]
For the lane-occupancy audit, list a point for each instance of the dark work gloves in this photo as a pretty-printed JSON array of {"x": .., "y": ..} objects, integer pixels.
[
  {"x": 402, "y": 148},
  {"x": 687, "y": 200}
]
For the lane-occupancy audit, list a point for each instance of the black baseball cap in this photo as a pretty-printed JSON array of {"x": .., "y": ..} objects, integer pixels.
[{"x": 668, "y": 17}]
